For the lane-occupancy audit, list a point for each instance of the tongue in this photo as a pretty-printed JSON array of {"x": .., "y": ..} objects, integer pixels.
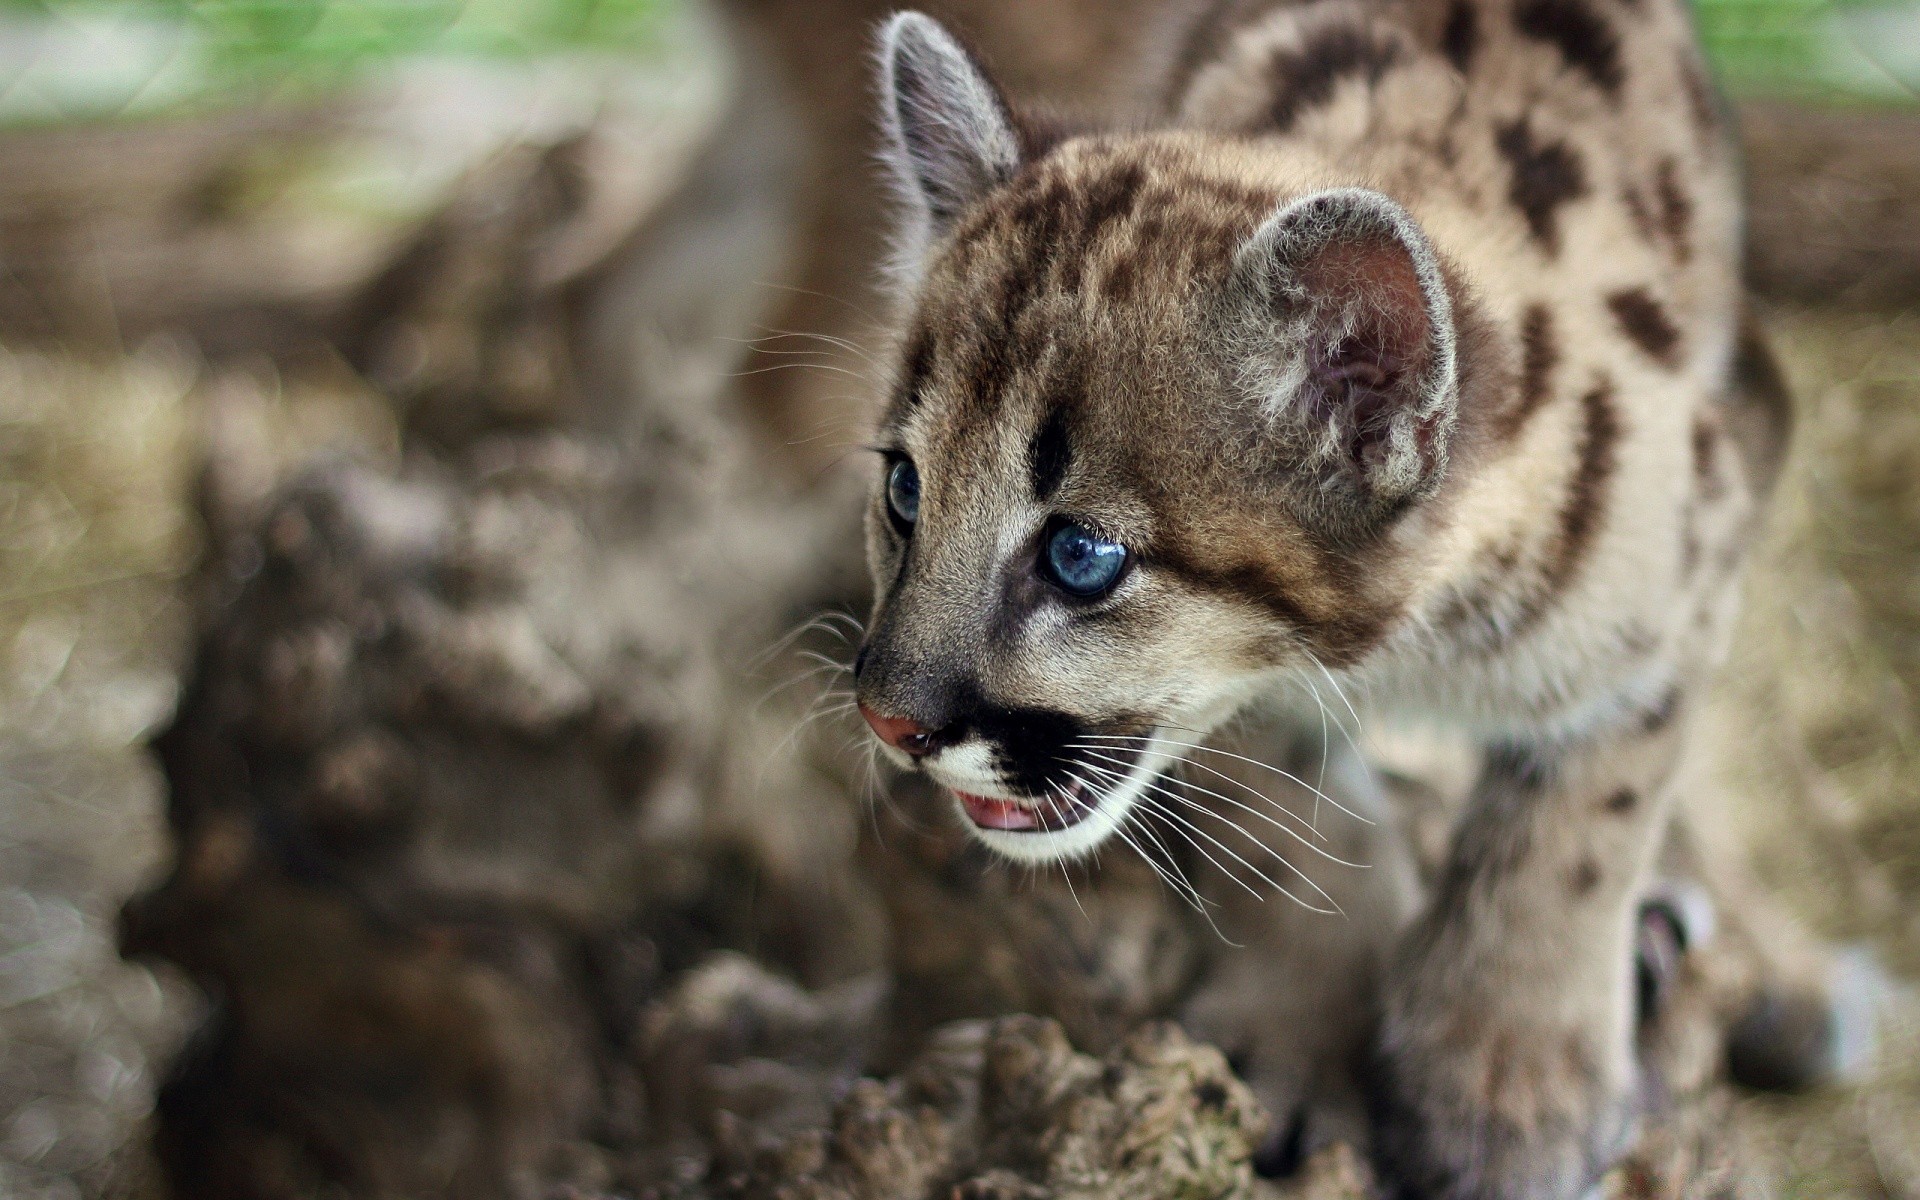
[{"x": 989, "y": 813}]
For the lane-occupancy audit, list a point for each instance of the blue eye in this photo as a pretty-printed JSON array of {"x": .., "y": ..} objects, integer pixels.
[
  {"x": 1081, "y": 563},
  {"x": 903, "y": 494}
]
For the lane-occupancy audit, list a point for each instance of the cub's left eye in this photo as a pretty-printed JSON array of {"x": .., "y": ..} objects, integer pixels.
[
  {"x": 903, "y": 495},
  {"x": 1081, "y": 563}
]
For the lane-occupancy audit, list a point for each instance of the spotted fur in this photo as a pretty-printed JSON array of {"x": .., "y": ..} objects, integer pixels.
[{"x": 1396, "y": 353}]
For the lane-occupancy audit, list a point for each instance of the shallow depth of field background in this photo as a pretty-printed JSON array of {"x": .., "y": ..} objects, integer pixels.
[{"x": 363, "y": 113}]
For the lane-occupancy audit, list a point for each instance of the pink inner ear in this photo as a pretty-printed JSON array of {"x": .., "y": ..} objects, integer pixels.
[
  {"x": 1370, "y": 340},
  {"x": 1370, "y": 316}
]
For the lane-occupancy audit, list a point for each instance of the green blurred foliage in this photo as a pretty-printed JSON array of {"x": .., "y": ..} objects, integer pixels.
[
  {"x": 1819, "y": 49},
  {"x": 1763, "y": 43},
  {"x": 236, "y": 43},
  {"x": 220, "y": 50}
]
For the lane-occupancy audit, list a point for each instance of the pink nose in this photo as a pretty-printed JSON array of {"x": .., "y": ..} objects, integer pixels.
[{"x": 902, "y": 733}]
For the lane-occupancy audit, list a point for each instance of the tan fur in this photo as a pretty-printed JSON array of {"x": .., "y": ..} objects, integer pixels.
[{"x": 1398, "y": 354}]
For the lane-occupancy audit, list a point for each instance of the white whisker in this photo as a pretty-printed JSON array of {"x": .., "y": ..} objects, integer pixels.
[
  {"x": 1291, "y": 832},
  {"x": 1065, "y": 871},
  {"x": 1282, "y": 859},
  {"x": 1230, "y": 852},
  {"x": 1254, "y": 762},
  {"x": 1248, "y": 788}
]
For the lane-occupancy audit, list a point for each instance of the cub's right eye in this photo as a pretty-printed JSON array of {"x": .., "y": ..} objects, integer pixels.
[{"x": 903, "y": 495}]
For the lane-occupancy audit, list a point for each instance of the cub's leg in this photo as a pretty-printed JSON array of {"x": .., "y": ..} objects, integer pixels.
[{"x": 1505, "y": 1060}]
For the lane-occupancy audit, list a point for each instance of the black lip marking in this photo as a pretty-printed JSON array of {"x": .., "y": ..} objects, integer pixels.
[{"x": 1032, "y": 748}]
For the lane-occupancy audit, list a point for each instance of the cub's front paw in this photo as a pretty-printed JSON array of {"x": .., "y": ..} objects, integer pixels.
[{"x": 1465, "y": 1108}]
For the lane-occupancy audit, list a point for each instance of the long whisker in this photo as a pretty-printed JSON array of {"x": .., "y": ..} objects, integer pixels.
[
  {"x": 1254, "y": 762},
  {"x": 1188, "y": 803},
  {"x": 800, "y": 291},
  {"x": 818, "y": 366},
  {"x": 1146, "y": 805},
  {"x": 824, "y": 665},
  {"x": 1171, "y": 875},
  {"x": 1229, "y": 851},
  {"x": 826, "y": 661},
  {"x": 1291, "y": 832},
  {"x": 1248, "y": 788},
  {"x": 805, "y": 676},
  {"x": 1186, "y": 829},
  {"x": 1180, "y": 886},
  {"x": 1174, "y": 878},
  {"x": 814, "y": 713},
  {"x": 820, "y": 621},
  {"x": 1066, "y": 873},
  {"x": 1366, "y": 765},
  {"x": 1320, "y": 779},
  {"x": 768, "y": 334}
]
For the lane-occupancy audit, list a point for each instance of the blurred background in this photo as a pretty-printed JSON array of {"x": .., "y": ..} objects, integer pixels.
[{"x": 239, "y": 237}]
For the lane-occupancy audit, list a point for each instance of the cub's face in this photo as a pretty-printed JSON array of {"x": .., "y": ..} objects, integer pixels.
[{"x": 1150, "y": 433}]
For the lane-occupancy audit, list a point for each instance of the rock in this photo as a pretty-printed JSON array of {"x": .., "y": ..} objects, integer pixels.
[{"x": 1009, "y": 1110}]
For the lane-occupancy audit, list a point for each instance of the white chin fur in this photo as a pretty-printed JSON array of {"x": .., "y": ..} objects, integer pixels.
[{"x": 1082, "y": 837}]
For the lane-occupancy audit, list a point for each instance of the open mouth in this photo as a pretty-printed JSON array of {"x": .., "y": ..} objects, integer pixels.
[
  {"x": 1068, "y": 808},
  {"x": 1062, "y": 810}
]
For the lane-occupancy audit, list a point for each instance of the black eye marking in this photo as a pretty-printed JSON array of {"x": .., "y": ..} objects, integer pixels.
[
  {"x": 919, "y": 364},
  {"x": 903, "y": 495},
  {"x": 1048, "y": 455}
]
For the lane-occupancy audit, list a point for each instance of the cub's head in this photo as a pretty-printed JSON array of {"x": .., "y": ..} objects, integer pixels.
[{"x": 1163, "y": 417}]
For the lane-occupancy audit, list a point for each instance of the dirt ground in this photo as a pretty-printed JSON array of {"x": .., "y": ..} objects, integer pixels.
[{"x": 1815, "y": 729}]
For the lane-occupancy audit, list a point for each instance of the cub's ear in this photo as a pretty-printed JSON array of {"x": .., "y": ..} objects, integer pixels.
[
  {"x": 949, "y": 136},
  {"x": 1353, "y": 353}
]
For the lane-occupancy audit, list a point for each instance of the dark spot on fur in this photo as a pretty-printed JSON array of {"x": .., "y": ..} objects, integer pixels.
[
  {"x": 1759, "y": 409},
  {"x": 1642, "y": 319},
  {"x": 1582, "y": 35},
  {"x": 1202, "y": 43},
  {"x": 1121, "y": 279},
  {"x": 1461, "y": 36},
  {"x": 1662, "y": 713},
  {"x": 1546, "y": 175},
  {"x": 1110, "y": 198},
  {"x": 1049, "y": 454},
  {"x": 1246, "y": 580},
  {"x": 1539, "y": 354},
  {"x": 1689, "y": 540},
  {"x": 1522, "y": 766},
  {"x": 1676, "y": 208},
  {"x": 1622, "y": 802},
  {"x": 1706, "y": 470},
  {"x": 1637, "y": 641},
  {"x": 919, "y": 364},
  {"x": 1584, "y": 878},
  {"x": 1640, "y": 212},
  {"x": 1105, "y": 201},
  {"x": 1304, "y": 79},
  {"x": 1702, "y": 100},
  {"x": 1585, "y": 504}
]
